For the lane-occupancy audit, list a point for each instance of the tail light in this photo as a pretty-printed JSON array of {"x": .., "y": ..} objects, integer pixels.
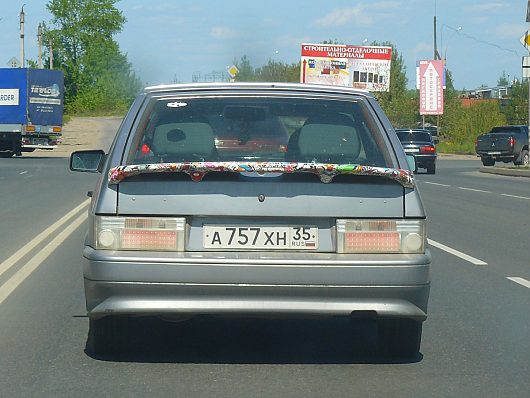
[
  {"x": 381, "y": 236},
  {"x": 30, "y": 129},
  {"x": 511, "y": 141},
  {"x": 57, "y": 129},
  {"x": 428, "y": 149},
  {"x": 140, "y": 233}
]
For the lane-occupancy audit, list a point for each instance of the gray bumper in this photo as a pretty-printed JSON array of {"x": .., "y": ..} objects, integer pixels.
[{"x": 295, "y": 284}]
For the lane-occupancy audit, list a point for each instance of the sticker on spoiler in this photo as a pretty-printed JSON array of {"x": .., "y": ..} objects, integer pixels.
[{"x": 326, "y": 172}]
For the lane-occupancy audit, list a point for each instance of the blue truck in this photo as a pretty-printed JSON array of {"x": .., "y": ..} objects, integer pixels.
[{"x": 31, "y": 110}]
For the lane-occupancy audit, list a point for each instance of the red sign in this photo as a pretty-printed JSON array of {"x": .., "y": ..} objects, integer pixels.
[
  {"x": 343, "y": 51},
  {"x": 431, "y": 87}
]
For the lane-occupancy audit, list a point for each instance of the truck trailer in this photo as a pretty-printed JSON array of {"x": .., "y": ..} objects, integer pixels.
[{"x": 31, "y": 110}]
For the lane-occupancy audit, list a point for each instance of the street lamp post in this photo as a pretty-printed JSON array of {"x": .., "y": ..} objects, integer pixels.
[{"x": 39, "y": 38}]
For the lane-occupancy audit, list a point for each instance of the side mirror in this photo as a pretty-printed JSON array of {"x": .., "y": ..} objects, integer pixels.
[
  {"x": 411, "y": 160},
  {"x": 87, "y": 161}
]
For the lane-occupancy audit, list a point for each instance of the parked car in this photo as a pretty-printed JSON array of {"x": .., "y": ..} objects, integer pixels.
[
  {"x": 504, "y": 144},
  {"x": 329, "y": 223},
  {"x": 419, "y": 142}
]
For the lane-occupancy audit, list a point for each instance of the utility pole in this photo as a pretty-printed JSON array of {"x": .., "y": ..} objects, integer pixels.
[
  {"x": 435, "y": 45},
  {"x": 39, "y": 38},
  {"x": 22, "y": 55},
  {"x": 528, "y": 80},
  {"x": 51, "y": 53}
]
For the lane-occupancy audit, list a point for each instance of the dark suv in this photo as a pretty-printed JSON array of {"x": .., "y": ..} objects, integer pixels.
[{"x": 419, "y": 142}]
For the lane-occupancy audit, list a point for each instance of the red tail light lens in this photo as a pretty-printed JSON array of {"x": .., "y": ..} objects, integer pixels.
[
  {"x": 428, "y": 149},
  {"x": 511, "y": 141},
  {"x": 371, "y": 242}
]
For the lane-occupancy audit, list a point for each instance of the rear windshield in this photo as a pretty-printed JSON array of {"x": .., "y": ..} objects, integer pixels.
[
  {"x": 259, "y": 129},
  {"x": 414, "y": 136},
  {"x": 505, "y": 130}
]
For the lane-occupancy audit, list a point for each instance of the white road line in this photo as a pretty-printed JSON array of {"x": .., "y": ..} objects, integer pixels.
[
  {"x": 515, "y": 196},
  {"x": 24, "y": 172},
  {"x": 12, "y": 283},
  {"x": 520, "y": 281},
  {"x": 9, "y": 262},
  {"x": 435, "y": 183},
  {"x": 474, "y": 190},
  {"x": 456, "y": 253}
]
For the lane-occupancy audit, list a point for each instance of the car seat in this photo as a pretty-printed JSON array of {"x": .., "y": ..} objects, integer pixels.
[
  {"x": 325, "y": 138},
  {"x": 187, "y": 140}
]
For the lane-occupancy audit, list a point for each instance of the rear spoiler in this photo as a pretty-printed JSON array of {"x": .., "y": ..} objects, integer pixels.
[{"x": 326, "y": 172}]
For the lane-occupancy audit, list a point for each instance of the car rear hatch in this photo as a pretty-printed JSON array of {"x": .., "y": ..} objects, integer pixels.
[
  {"x": 496, "y": 142},
  {"x": 267, "y": 205}
]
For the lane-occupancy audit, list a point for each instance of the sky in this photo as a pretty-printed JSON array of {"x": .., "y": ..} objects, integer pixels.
[{"x": 172, "y": 40}]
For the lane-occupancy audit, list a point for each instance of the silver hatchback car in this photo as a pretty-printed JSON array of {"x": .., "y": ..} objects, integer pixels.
[{"x": 255, "y": 200}]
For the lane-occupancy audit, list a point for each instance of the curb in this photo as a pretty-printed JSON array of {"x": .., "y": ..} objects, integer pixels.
[{"x": 506, "y": 172}]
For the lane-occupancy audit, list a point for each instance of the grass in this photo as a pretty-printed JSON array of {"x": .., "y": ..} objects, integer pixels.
[
  {"x": 467, "y": 148},
  {"x": 68, "y": 116}
]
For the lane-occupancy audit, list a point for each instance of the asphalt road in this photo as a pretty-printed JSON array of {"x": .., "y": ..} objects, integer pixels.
[{"x": 476, "y": 342}]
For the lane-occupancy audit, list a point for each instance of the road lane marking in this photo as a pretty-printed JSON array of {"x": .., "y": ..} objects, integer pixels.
[
  {"x": 437, "y": 184},
  {"x": 9, "y": 262},
  {"x": 515, "y": 196},
  {"x": 456, "y": 253},
  {"x": 477, "y": 190},
  {"x": 473, "y": 190},
  {"x": 520, "y": 281},
  {"x": 12, "y": 283},
  {"x": 24, "y": 172}
]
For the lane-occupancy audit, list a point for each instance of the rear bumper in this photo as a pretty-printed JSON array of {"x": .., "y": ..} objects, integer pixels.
[
  {"x": 496, "y": 154},
  {"x": 249, "y": 284},
  {"x": 422, "y": 160},
  {"x": 39, "y": 146}
]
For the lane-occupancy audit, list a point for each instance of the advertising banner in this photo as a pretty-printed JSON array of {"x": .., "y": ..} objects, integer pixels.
[
  {"x": 46, "y": 93},
  {"x": 431, "y": 87},
  {"x": 365, "y": 67}
]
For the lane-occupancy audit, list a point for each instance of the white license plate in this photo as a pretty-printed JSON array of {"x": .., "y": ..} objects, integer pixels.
[
  {"x": 494, "y": 153},
  {"x": 40, "y": 141},
  {"x": 412, "y": 150},
  {"x": 260, "y": 237}
]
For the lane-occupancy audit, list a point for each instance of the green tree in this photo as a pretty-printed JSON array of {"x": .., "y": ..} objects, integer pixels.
[
  {"x": 276, "y": 71},
  {"x": 246, "y": 71},
  {"x": 399, "y": 104},
  {"x": 272, "y": 71},
  {"x": 84, "y": 49},
  {"x": 503, "y": 80}
]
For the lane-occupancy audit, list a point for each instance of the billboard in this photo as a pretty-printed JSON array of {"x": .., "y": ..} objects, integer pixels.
[
  {"x": 431, "y": 87},
  {"x": 366, "y": 67}
]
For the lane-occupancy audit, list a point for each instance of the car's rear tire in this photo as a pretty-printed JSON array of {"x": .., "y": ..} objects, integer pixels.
[
  {"x": 431, "y": 169},
  {"x": 523, "y": 159},
  {"x": 108, "y": 335},
  {"x": 488, "y": 161},
  {"x": 399, "y": 337}
]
